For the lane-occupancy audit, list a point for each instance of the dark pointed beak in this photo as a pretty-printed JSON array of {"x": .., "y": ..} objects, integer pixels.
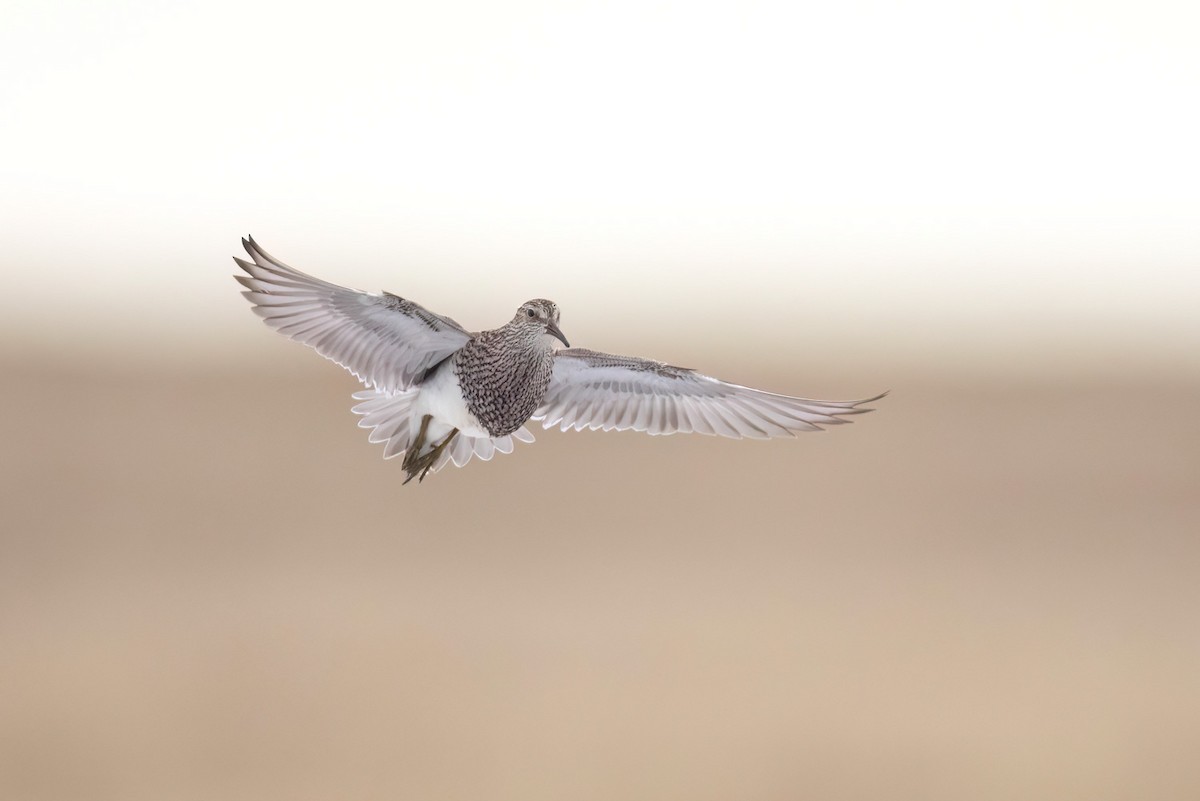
[{"x": 554, "y": 331}]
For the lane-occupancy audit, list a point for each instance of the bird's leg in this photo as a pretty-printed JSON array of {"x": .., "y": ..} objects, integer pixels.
[
  {"x": 412, "y": 457},
  {"x": 416, "y": 464},
  {"x": 433, "y": 455}
]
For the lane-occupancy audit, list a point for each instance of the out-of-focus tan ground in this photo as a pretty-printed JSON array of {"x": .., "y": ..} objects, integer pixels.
[{"x": 212, "y": 587}]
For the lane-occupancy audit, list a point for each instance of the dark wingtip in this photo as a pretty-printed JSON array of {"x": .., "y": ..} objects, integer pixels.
[
  {"x": 857, "y": 410},
  {"x": 256, "y": 251}
]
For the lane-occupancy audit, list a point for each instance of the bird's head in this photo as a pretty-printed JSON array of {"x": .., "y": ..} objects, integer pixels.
[{"x": 540, "y": 317}]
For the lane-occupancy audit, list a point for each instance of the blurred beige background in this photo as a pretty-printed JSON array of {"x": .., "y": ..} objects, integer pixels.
[{"x": 211, "y": 585}]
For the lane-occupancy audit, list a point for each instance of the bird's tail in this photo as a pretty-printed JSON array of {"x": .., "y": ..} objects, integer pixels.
[{"x": 394, "y": 422}]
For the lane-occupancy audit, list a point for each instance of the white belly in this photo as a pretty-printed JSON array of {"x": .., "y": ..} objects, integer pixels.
[{"x": 441, "y": 397}]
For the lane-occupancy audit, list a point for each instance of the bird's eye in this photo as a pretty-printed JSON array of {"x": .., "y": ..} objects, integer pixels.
[{"x": 530, "y": 313}]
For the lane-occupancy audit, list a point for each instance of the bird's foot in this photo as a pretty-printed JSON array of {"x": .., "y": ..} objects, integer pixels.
[{"x": 412, "y": 456}]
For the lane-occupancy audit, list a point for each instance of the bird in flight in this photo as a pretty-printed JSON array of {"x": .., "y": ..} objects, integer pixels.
[{"x": 439, "y": 394}]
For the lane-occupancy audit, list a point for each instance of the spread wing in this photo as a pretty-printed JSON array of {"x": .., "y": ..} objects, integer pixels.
[
  {"x": 387, "y": 342},
  {"x": 600, "y": 391}
]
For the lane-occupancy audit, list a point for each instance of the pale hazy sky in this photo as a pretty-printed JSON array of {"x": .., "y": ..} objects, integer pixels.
[{"x": 935, "y": 168}]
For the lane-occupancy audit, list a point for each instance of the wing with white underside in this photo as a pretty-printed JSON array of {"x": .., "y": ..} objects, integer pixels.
[
  {"x": 614, "y": 393},
  {"x": 387, "y": 342}
]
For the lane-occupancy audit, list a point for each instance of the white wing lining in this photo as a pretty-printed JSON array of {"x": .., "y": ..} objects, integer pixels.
[
  {"x": 600, "y": 391},
  {"x": 387, "y": 342}
]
